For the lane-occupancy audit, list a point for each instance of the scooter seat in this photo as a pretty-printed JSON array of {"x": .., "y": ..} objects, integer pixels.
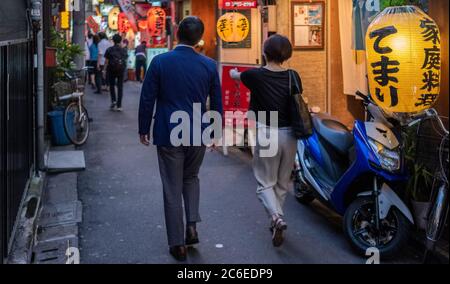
[{"x": 334, "y": 132}]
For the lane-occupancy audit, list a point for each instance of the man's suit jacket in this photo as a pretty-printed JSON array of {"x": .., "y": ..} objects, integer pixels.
[{"x": 175, "y": 81}]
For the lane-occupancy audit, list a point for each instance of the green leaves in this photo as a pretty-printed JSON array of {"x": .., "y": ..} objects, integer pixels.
[
  {"x": 66, "y": 51},
  {"x": 420, "y": 182},
  {"x": 389, "y": 3}
]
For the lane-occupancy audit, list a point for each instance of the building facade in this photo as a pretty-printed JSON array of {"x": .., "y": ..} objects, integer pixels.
[
  {"x": 321, "y": 68},
  {"x": 16, "y": 115}
]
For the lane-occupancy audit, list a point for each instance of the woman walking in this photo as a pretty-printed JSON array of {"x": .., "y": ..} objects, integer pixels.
[
  {"x": 94, "y": 72},
  {"x": 141, "y": 61},
  {"x": 271, "y": 89}
]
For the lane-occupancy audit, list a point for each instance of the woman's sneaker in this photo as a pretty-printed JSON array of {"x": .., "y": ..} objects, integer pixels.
[{"x": 278, "y": 228}]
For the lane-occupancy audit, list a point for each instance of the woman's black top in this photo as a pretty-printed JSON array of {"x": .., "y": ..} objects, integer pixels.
[{"x": 270, "y": 92}]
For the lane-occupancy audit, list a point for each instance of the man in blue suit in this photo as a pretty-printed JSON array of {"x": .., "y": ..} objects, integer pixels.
[{"x": 176, "y": 81}]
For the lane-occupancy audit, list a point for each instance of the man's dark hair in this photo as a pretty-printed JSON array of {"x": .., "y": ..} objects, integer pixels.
[
  {"x": 190, "y": 31},
  {"x": 144, "y": 43},
  {"x": 96, "y": 39},
  {"x": 277, "y": 48},
  {"x": 117, "y": 39},
  {"x": 102, "y": 35}
]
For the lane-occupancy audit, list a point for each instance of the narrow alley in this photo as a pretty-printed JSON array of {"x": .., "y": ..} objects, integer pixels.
[{"x": 123, "y": 217}]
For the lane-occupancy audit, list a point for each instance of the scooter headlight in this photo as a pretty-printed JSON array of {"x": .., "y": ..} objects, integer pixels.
[{"x": 389, "y": 159}]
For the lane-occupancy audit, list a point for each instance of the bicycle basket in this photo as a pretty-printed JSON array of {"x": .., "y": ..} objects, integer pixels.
[{"x": 62, "y": 88}]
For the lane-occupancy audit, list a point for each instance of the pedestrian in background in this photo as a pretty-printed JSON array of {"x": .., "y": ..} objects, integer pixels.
[
  {"x": 271, "y": 88},
  {"x": 175, "y": 82},
  {"x": 87, "y": 55},
  {"x": 141, "y": 60},
  {"x": 94, "y": 72},
  {"x": 103, "y": 45},
  {"x": 116, "y": 62},
  {"x": 125, "y": 44}
]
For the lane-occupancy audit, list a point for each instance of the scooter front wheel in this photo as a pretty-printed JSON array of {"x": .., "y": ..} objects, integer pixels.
[{"x": 363, "y": 234}]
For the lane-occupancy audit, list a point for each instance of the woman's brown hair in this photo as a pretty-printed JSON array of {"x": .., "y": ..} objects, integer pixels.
[{"x": 277, "y": 48}]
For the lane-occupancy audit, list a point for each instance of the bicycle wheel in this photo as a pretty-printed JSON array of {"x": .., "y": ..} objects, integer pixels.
[{"x": 76, "y": 124}]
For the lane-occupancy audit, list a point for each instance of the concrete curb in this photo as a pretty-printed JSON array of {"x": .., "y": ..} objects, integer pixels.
[
  {"x": 57, "y": 239},
  {"x": 23, "y": 240}
]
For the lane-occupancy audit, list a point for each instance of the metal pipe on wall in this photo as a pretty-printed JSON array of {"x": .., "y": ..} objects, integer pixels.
[
  {"x": 40, "y": 101},
  {"x": 36, "y": 17},
  {"x": 78, "y": 37}
]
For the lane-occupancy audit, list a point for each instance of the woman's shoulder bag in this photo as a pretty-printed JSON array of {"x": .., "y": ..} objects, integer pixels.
[{"x": 301, "y": 117}]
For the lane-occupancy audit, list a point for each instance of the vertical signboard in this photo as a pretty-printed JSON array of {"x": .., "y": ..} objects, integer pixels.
[{"x": 235, "y": 96}]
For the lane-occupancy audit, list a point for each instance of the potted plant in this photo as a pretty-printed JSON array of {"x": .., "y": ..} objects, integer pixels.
[
  {"x": 60, "y": 86},
  {"x": 420, "y": 182},
  {"x": 66, "y": 53}
]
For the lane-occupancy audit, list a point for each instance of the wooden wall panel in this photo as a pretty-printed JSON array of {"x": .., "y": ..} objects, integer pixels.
[
  {"x": 439, "y": 12},
  {"x": 311, "y": 64},
  {"x": 342, "y": 106},
  {"x": 206, "y": 10}
]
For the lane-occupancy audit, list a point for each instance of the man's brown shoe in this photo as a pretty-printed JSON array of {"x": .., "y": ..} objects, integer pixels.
[
  {"x": 178, "y": 252},
  {"x": 191, "y": 236}
]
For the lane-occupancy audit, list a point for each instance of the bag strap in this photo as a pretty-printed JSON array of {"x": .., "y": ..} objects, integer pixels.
[
  {"x": 290, "y": 82},
  {"x": 297, "y": 85}
]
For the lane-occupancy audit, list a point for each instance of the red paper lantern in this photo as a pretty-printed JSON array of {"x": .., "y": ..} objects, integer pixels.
[
  {"x": 156, "y": 18},
  {"x": 143, "y": 25},
  {"x": 123, "y": 23}
]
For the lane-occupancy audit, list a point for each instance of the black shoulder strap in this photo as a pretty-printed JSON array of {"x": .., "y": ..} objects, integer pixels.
[
  {"x": 290, "y": 82},
  {"x": 296, "y": 83}
]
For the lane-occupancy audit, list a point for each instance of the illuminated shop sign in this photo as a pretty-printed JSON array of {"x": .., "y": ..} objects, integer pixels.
[
  {"x": 230, "y": 4},
  {"x": 233, "y": 27}
]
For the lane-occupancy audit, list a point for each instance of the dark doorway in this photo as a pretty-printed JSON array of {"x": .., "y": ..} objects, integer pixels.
[{"x": 16, "y": 133}]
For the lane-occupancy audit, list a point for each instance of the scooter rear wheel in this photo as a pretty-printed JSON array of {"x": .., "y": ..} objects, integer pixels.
[{"x": 360, "y": 229}]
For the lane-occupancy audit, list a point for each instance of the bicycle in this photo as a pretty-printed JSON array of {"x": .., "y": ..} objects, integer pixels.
[
  {"x": 76, "y": 117},
  {"x": 438, "y": 214}
]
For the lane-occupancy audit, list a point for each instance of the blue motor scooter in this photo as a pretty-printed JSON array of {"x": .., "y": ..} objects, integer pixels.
[{"x": 360, "y": 175}]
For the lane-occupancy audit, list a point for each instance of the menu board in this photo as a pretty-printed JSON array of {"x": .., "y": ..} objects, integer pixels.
[{"x": 308, "y": 24}]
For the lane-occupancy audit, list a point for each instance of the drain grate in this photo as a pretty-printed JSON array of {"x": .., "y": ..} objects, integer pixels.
[
  {"x": 53, "y": 252},
  {"x": 61, "y": 214}
]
